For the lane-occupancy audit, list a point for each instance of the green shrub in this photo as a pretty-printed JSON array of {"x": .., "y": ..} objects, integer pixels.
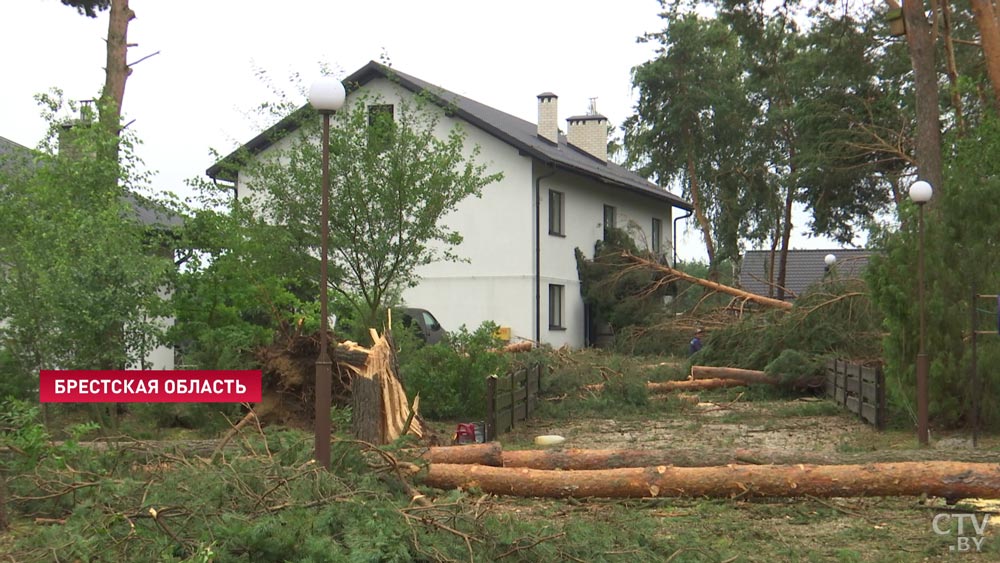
[
  {"x": 207, "y": 418},
  {"x": 450, "y": 376}
]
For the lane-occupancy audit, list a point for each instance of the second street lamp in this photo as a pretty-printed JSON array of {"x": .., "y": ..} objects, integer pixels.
[
  {"x": 920, "y": 193},
  {"x": 326, "y": 96}
]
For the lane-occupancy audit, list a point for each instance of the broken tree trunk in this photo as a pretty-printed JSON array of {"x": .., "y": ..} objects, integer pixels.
[
  {"x": 745, "y": 375},
  {"x": 672, "y": 274},
  {"x": 579, "y": 459},
  {"x": 684, "y": 385},
  {"x": 951, "y": 480},
  {"x": 381, "y": 411}
]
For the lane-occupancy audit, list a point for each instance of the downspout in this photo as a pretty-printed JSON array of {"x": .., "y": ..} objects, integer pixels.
[
  {"x": 235, "y": 188},
  {"x": 673, "y": 241},
  {"x": 538, "y": 255}
]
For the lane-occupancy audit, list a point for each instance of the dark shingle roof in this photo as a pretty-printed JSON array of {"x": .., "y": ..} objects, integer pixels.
[
  {"x": 804, "y": 268},
  {"x": 512, "y": 130}
]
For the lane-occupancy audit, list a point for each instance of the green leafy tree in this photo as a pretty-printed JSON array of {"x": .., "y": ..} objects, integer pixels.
[
  {"x": 80, "y": 277},
  {"x": 965, "y": 218},
  {"x": 691, "y": 124},
  {"x": 393, "y": 179}
]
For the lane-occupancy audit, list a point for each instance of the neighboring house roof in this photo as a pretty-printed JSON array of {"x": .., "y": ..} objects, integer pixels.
[
  {"x": 149, "y": 213},
  {"x": 8, "y": 146},
  {"x": 804, "y": 268},
  {"x": 512, "y": 130}
]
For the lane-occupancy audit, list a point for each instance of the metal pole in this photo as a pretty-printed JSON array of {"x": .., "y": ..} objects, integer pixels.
[
  {"x": 324, "y": 376},
  {"x": 923, "y": 367}
]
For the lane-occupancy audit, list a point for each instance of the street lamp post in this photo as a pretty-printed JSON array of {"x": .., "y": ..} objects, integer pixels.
[
  {"x": 830, "y": 260},
  {"x": 920, "y": 193},
  {"x": 326, "y": 95}
]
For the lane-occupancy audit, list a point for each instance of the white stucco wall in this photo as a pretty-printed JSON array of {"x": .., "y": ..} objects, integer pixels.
[
  {"x": 583, "y": 202},
  {"x": 496, "y": 278}
]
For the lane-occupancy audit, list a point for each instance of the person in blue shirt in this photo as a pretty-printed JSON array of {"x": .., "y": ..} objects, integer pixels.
[{"x": 695, "y": 344}]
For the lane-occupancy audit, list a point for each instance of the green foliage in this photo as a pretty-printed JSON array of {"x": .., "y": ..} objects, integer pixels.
[
  {"x": 962, "y": 216},
  {"x": 450, "y": 376},
  {"x": 207, "y": 418},
  {"x": 81, "y": 277},
  {"x": 88, "y": 8},
  {"x": 832, "y": 318},
  {"x": 623, "y": 378},
  {"x": 753, "y": 108},
  {"x": 616, "y": 294},
  {"x": 792, "y": 366}
]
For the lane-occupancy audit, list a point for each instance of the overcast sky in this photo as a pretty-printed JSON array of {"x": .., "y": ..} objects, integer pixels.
[{"x": 199, "y": 91}]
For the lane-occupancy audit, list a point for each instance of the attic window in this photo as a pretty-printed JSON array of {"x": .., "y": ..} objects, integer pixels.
[{"x": 381, "y": 125}]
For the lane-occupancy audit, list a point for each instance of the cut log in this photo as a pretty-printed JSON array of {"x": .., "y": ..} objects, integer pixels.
[
  {"x": 746, "y": 375},
  {"x": 580, "y": 459},
  {"x": 523, "y": 346},
  {"x": 489, "y": 453},
  {"x": 951, "y": 480},
  {"x": 671, "y": 274},
  {"x": 684, "y": 385}
]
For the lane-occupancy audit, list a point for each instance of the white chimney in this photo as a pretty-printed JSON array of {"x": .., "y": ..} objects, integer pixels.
[
  {"x": 589, "y": 133},
  {"x": 548, "y": 117}
]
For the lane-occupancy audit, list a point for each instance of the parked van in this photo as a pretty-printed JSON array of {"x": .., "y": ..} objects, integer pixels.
[{"x": 423, "y": 323}]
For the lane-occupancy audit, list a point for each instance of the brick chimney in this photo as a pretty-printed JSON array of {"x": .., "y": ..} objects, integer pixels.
[
  {"x": 69, "y": 132},
  {"x": 548, "y": 117},
  {"x": 589, "y": 133}
]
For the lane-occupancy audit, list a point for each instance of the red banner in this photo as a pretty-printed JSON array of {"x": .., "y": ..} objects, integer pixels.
[{"x": 144, "y": 386}]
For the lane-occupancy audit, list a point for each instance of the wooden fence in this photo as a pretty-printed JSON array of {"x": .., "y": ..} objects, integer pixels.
[
  {"x": 510, "y": 399},
  {"x": 860, "y": 389}
]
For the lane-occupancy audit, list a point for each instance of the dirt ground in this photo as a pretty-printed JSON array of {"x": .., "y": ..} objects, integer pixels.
[{"x": 809, "y": 529}]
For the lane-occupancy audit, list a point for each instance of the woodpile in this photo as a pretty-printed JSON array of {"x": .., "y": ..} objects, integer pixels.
[{"x": 637, "y": 473}]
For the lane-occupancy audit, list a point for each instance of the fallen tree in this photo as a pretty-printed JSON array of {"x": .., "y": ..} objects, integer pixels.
[
  {"x": 745, "y": 375},
  {"x": 582, "y": 459},
  {"x": 951, "y": 480},
  {"x": 682, "y": 385},
  {"x": 670, "y": 274}
]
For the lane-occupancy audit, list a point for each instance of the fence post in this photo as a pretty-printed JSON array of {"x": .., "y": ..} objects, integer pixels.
[
  {"x": 842, "y": 366},
  {"x": 491, "y": 408},
  {"x": 881, "y": 416}
]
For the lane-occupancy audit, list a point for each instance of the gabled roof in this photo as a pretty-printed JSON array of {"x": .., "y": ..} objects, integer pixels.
[
  {"x": 520, "y": 134},
  {"x": 804, "y": 268}
]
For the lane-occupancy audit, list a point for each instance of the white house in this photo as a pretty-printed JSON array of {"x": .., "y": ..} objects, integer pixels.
[{"x": 558, "y": 194}]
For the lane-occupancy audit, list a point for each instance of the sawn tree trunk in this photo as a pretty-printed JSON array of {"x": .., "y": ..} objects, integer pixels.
[
  {"x": 579, "y": 459},
  {"x": 951, "y": 480}
]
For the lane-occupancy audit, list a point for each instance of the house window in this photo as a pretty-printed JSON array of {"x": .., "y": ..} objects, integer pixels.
[
  {"x": 556, "y": 306},
  {"x": 556, "y": 213},
  {"x": 657, "y": 233},
  {"x": 609, "y": 219},
  {"x": 381, "y": 125}
]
